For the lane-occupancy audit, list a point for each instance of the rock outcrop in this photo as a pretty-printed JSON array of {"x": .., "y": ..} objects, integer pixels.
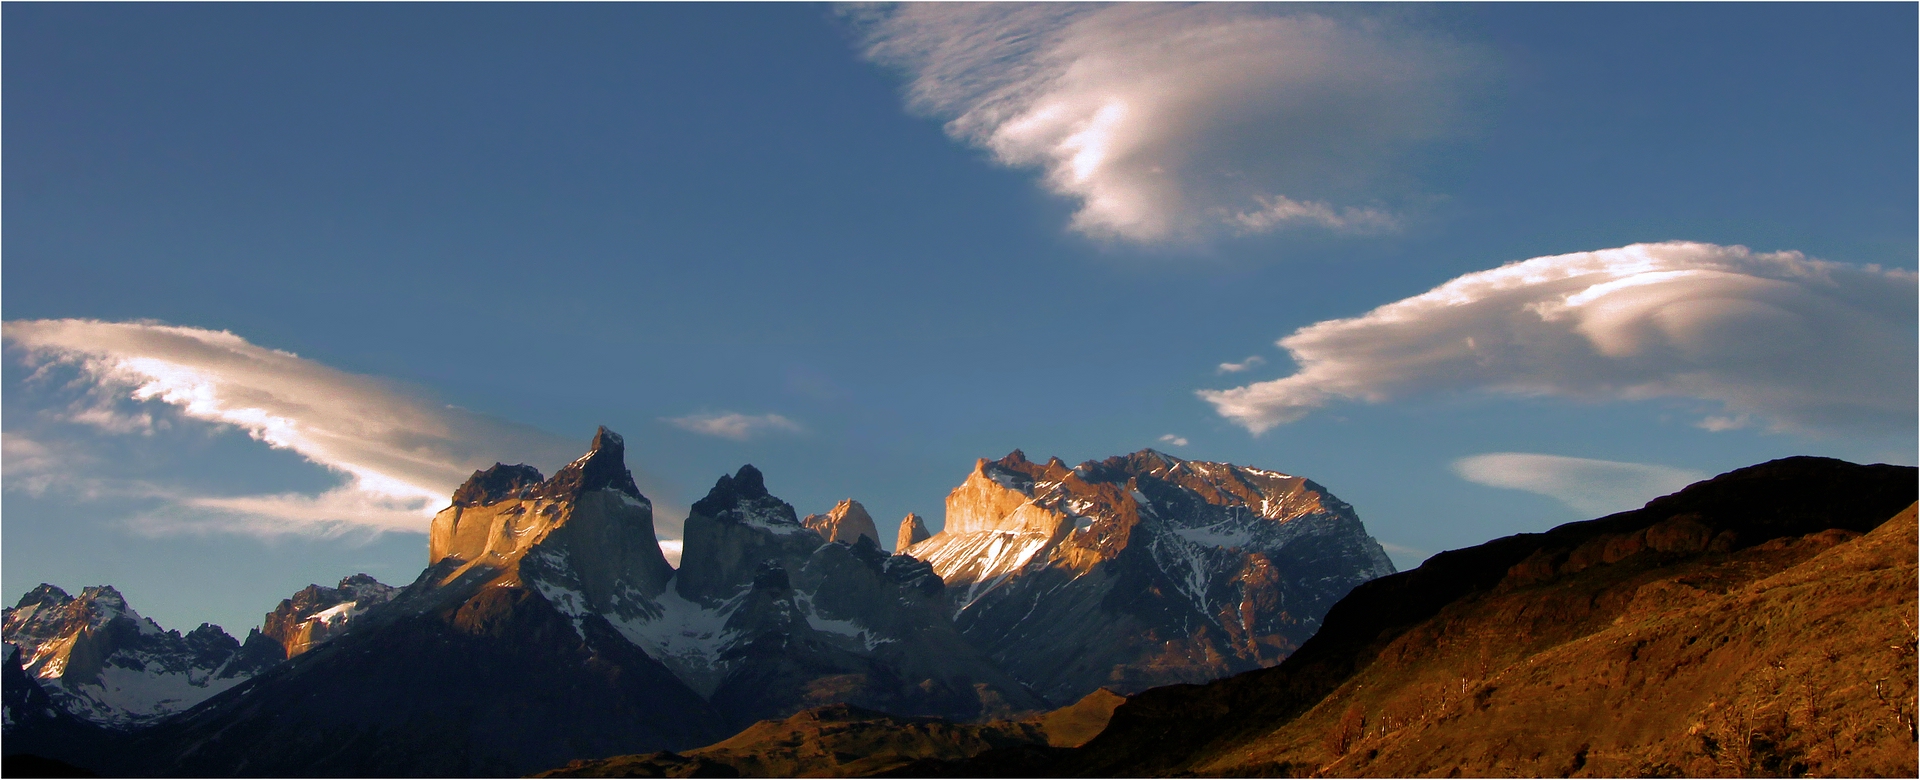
[
  {"x": 1142, "y": 570},
  {"x": 589, "y": 524},
  {"x": 846, "y": 522},
  {"x": 100, "y": 660},
  {"x": 318, "y": 613},
  {"x": 913, "y": 530}
]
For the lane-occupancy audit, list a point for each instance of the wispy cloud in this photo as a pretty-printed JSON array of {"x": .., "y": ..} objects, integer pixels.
[
  {"x": 1804, "y": 344},
  {"x": 1281, "y": 211},
  {"x": 1405, "y": 554},
  {"x": 345, "y": 511},
  {"x": 1235, "y": 368},
  {"x": 1177, "y": 441},
  {"x": 34, "y": 466},
  {"x": 1174, "y": 122},
  {"x": 1596, "y": 487},
  {"x": 733, "y": 425},
  {"x": 400, "y": 453}
]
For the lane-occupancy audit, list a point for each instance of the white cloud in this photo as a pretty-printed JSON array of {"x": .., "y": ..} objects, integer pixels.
[
  {"x": 1177, "y": 441},
  {"x": 1174, "y": 122},
  {"x": 672, "y": 548},
  {"x": 1596, "y": 487},
  {"x": 339, "y": 512},
  {"x": 401, "y": 453},
  {"x": 1404, "y": 557},
  {"x": 1235, "y": 368},
  {"x": 33, "y": 466},
  {"x": 1804, "y": 344},
  {"x": 733, "y": 425},
  {"x": 1281, "y": 211}
]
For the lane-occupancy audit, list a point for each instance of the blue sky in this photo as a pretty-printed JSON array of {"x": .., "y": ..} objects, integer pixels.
[{"x": 860, "y": 249}]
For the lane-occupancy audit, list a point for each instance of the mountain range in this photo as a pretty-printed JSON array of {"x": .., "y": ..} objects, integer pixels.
[
  {"x": 548, "y": 626},
  {"x": 1139, "y": 615}
]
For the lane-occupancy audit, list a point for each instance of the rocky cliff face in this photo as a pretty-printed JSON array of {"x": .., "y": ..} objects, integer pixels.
[
  {"x": 317, "y": 613},
  {"x": 1142, "y": 570},
  {"x": 766, "y": 618},
  {"x": 913, "y": 530},
  {"x": 846, "y": 522},
  {"x": 100, "y": 660},
  {"x": 588, "y": 526}
]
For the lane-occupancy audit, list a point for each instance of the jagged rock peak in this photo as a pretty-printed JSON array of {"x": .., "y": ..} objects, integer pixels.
[
  {"x": 913, "y": 530},
  {"x": 106, "y": 596},
  {"x": 44, "y": 596},
  {"x": 743, "y": 497},
  {"x": 748, "y": 483},
  {"x": 604, "y": 467},
  {"x": 847, "y": 522},
  {"x": 498, "y": 483},
  {"x": 318, "y": 613}
]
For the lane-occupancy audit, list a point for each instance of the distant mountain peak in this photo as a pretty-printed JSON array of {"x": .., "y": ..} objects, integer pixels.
[
  {"x": 604, "y": 439},
  {"x": 913, "y": 530},
  {"x": 848, "y": 522},
  {"x": 44, "y": 596},
  {"x": 103, "y": 662},
  {"x": 743, "y": 497},
  {"x": 604, "y": 467},
  {"x": 317, "y": 613},
  {"x": 747, "y": 483},
  {"x": 105, "y": 595},
  {"x": 1232, "y": 565},
  {"x": 497, "y": 483}
]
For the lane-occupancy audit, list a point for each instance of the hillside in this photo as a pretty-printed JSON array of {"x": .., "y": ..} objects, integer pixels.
[
  {"x": 846, "y": 741},
  {"x": 1696, "y": 670}
]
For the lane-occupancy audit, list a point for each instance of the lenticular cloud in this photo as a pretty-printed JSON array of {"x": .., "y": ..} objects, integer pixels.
[
  {"x": 1596, "y": 487},
  {"x": 1176, "y": 122},
  {"x": 1773, "y": 338},
  {"x": 402, "y": 454}
]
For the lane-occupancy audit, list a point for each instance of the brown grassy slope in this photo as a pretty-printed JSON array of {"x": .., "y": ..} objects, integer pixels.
[
  {"x": 1807, "y": 671},
  {"x": 1076, "y": 723},
  {"x": 1582, "y": 570},
  {"x": 833, "y": 741},
  {"x": 844, "y": 741}
]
